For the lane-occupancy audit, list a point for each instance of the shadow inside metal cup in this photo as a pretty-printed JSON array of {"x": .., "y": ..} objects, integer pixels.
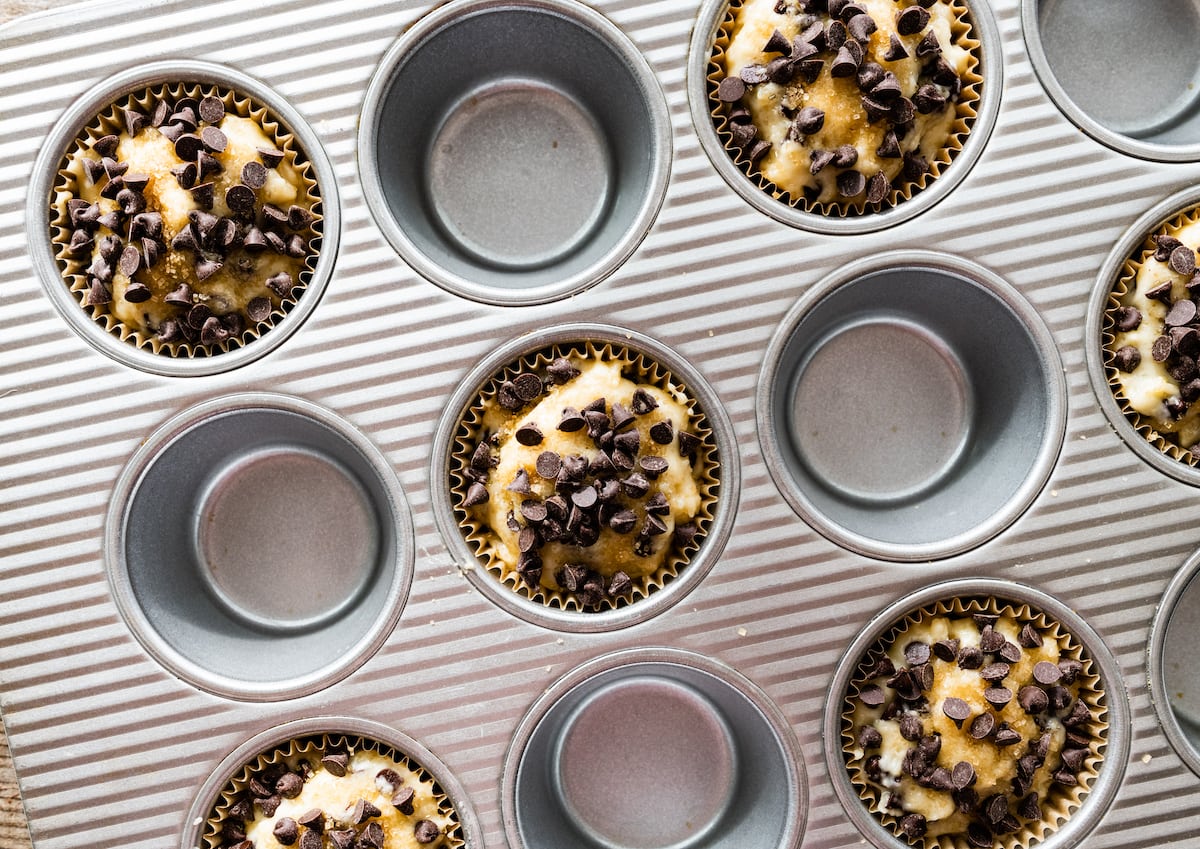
[
  {"x": 514, "y": 152},
  {"x": 1173, "y": 678},
  {"x": 257, "y": 548},
  {"x": 1147, "y": 104},
  {"x": 915, "y": 406}
]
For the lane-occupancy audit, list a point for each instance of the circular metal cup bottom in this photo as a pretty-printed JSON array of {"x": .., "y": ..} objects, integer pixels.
[
  {"x": 67, "y": 130},
  {"x": 700, "y": 562},
  {"x": 522, "y": 180},
  {"x": 1172, "y": 671},
  {"x": 208, "y": 794},
  {"x": 259, "y": 547},
  {"x": 911, "y": 406},
  {"x": 1116, "y": 751},
  {"x": 1153, "y": 110},
  {"x": 653, "y": 749},
  {"x": 1110, "y": 272},
  {"x": 991, "y": 69}
]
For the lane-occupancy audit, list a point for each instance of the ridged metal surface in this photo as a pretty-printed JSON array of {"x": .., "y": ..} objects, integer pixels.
[{"x": 111, "y": 749}]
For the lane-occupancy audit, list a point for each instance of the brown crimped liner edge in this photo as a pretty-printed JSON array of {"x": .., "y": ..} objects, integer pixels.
[
  {"x": 110, "y": 121},
  {"x": 640, "y": 368},
  {"x": 965, "y": 111},
  {"x": 1144, "y": 425},
  {"x": 1056, "y": 809},
  {"x": 313, "y": 746}
]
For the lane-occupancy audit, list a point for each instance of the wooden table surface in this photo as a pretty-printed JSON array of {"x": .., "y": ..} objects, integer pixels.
[{"x": 14, "y": 831}]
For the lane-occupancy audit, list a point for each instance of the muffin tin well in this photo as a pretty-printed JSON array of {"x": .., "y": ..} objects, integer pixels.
[{"x": 140, "y": 661}]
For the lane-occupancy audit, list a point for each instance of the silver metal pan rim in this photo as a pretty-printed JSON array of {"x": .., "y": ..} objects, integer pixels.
[
  {"x": 991, "y": 69},
  {"x": 369, "y": 639},
  {"x": 724, "y": 512},
  {"x": 634, "y": 231},
  {"x": 210, "y": 790},
  {"x": 67, "y": 129},
  {"x": 651, "y": 658},
  {"x": 1184, "y": 745},
  {"x": 1108, "y": 781},
  {"x": 1040, "y": 466},
  {"x": 1126, "y": 246}
]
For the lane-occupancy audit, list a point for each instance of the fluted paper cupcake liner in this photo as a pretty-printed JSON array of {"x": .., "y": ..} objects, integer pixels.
[
  {"x": 966, "y": 112},
  {"x": 309, "y": 750},
  {"x": 640, "y": 369},
  {"x": 1058, "y": 806},
  {"x": 110, "y": 121},
  {"x": 1125, "y": 284}
]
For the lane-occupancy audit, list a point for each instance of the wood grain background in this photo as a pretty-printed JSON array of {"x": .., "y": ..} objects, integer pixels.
[{"x": 14, "y": 831}]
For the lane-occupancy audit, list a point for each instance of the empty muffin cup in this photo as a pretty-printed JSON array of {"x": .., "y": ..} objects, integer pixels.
[
  {"x": 1174, "y": 683},
  {"x": 494, "y": 163},
  {"x": 654, "y": 749},
  {"x": 1149, "y": 105},
  {"x": 976, "y": 713},
  {"x": 193, "y": 218},
  {"x": 348, "y": 781},
  {"x": 580, "y": 477},
  {"x": 911, "y": 406},
  {"x": 259, "y": 547}
]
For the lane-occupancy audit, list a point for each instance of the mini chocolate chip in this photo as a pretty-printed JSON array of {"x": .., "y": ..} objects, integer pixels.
[
  {"x": 202, "y": 195},
  {"x": 911, "y": 20},
  {"x": 1161, "y": 292},
  {"x": 623, "y": 521},
  {"x": 872, "y": 695},
  {"x": 995, "y": 671},
  {"x": 928, "y": 99},
  {"x": 620, "y": 584},
  {"x": 130, "y": 261},
  {"x": 851, "y": 183},
  {"x": 402, "y": 800},
  {"x": 548, "y": 465},
  {"x": 910, "y": 727},
  {"x": 1080, "y": 714},
  {"x": 662, "y": 433},
  {"x": 1060, "y": 697},
  {"x": 809, "y": 120},
  {"x": 982, "y": 726},
  {"x": 335, "y": 763},
  {"x": 1029, "y": 637},
  {"x": 889, "y": 148},
  {"x": 371, "y": 837},
  {"x": 957, "y": 710},
  {"x": 844, "y": 64},
  {"x": 752, "y": 75},
  {"x": 877, "y": 187},
  {"x": 895, "y": 49},
  {"x": 860, "y": 27},
  {"x": 915, "y": 165},
  {"x": 1073, "y": 759},
  {"x": 1182, "y": 260},
  {"x": 342, "y": 838},
  {"x": 946, "y": 650},
  {"x": 731, "y": 89},
  {"x": 240, "y": 198},
  {"x": 476, "y": 494},
  {"x": 1010, "y": 652},
  {"x": 1005, "y": 736},
  {"x": 213, "y": 140},
  {"x": 281, "y": 284},
  {"x": 137, "y": 293},
  {"x": 529, "y": 434},
  {"x": 363, "y": 811},
  {"x": 913, "y": 825},
  {"x": 962, "y": 775},
  {"x": 1070, "y": 669},
  {"x": 917, "y": 653},
  {"x": 1127, "y": 358},
  {"x": 1033, "y": 699},
  {"x": 259, "y": 309},
  {"x": 289, "y": 785},
  {"x": 1045, "y": 672},
  {"x": 286, "y": 831},
  {"x": 653, "y": 466},
  {"x": 534, "y": 510},
  {"x": 869, "y": 737},
  {"x": 188, "y": 146},
  {"x": 997, "y": 697},
  {"x": 299, "y": 218}
]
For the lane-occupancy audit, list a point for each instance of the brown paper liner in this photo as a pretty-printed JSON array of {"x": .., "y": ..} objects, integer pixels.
[
  {"x": 110, "y": 121},
  {"x": 1164, "y": 441},
  {"x": 310, "y": 749},
  {"x": 1063, "y": 801},
  {"x": 639, "y": 368},
  {"x": 966, "y": 113}
]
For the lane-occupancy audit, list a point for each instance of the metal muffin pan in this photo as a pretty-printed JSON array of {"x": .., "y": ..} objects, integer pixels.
[{"x": 109, "y": 740}]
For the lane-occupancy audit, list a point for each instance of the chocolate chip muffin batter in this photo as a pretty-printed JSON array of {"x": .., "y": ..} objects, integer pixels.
[
  {"x": 1156, "y": 336},
  {"x": 337, "y": 798},
  {"x": 583, "y": 480},
  {"x": 839, "y": 102},
  {"x": 187, "y": 223},
  {"x": 972, "y": 726}
]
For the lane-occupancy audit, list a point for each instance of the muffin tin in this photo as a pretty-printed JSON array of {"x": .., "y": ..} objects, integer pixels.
[{"x": 112, "y": 736}]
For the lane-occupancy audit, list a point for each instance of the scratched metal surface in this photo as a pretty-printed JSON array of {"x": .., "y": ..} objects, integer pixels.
[{"x": 109, "y": 744}]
